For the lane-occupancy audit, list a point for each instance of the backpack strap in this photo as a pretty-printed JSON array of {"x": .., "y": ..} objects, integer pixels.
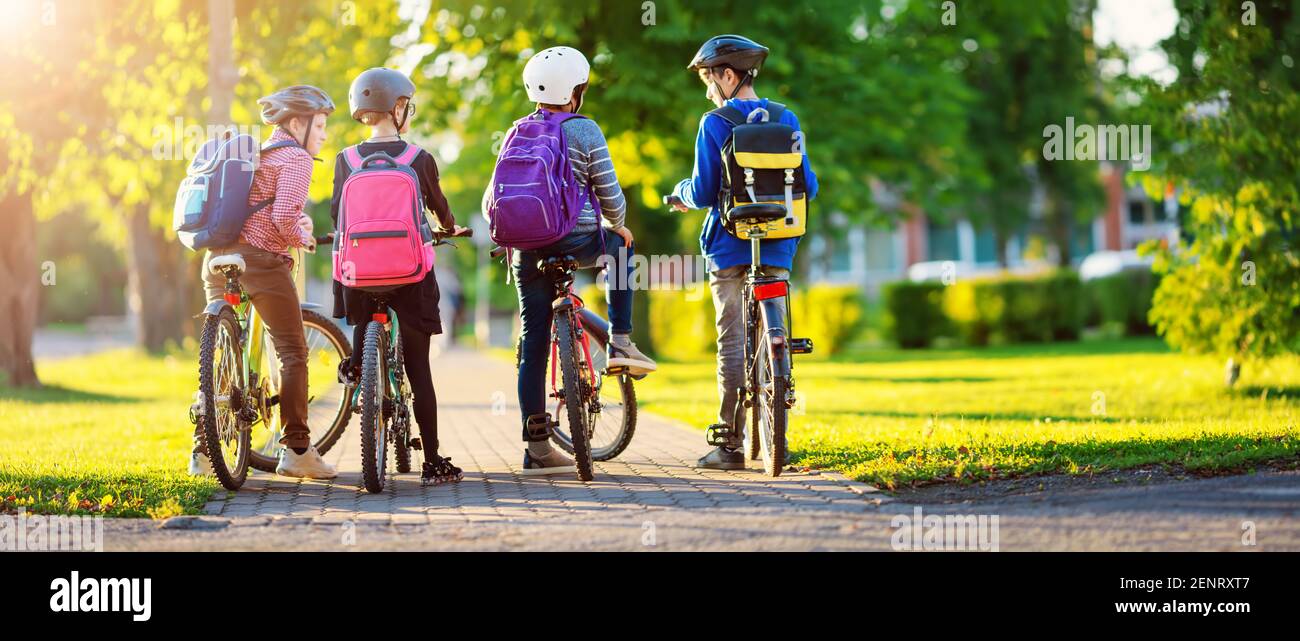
[
  {"x": 730, "y": 114},
  {"x": 352, "y": 156},
  {"x": 774, "y": 111},
  {"x": 408, "y": 155},
  {"x": 280, "y": 145}
]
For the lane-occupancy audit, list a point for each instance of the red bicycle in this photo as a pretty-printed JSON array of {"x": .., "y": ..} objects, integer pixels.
[{"x": 601, "y": 417}]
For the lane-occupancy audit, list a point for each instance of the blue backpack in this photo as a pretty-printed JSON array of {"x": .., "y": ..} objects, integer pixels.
[{"x": 212, "y": 201}]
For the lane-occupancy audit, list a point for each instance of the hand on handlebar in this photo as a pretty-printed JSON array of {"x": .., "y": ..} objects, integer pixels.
[{"x": 675, "y": 203}]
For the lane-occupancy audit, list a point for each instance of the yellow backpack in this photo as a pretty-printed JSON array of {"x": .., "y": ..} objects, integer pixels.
[{"x": 763, "y": 163}]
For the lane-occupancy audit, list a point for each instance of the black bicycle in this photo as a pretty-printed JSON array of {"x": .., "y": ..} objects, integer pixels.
[{"x": 769, "y": 378}]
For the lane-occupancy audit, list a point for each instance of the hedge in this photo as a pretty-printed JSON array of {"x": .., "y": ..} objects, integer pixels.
[
  {"x": 1121, "y": 302},
  {"x": 914, "y": 312}
]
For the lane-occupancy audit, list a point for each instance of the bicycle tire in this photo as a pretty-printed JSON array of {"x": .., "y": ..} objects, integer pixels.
[
  {"x": 608, "y": 453},
  {"x": 772, "y": 432},
  {"x": 574, "y": 405},
  {"x": 402, "y": 436},
  {"x": 627, "y": 427},
  {"x": 231, "y": 476},
  {"x": 332, "y": 434},
  {"x": 374, "y": 429}
]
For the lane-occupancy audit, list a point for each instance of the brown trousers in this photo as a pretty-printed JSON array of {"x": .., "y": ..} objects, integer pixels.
[{"x": 268, "y": 280}]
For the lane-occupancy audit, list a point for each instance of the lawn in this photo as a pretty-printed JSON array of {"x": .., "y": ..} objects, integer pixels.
[
  {"x": 893, "y": 418},
  {"x": 107, "y": 435}
]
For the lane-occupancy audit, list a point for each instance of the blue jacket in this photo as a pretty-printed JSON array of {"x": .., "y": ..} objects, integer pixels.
[{"x": 722, "y": 250}]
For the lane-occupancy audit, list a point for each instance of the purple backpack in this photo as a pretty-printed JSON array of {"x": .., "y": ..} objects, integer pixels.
[{"x": 535, "y": 199}]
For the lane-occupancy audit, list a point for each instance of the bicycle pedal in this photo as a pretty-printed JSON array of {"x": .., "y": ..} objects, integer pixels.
[
  {"x": 801, "y": 346},
  {"x": 274, "y": 400},
  {"x": 415, "y": 444},
  {"x": 720, "y": 436}
]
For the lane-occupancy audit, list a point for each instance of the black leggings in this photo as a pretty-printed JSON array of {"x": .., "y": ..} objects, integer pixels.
[{"x": 415, "y": 352}]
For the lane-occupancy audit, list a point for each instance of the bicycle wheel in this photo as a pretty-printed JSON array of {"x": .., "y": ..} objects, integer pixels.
[
  {"x": 329, "y": 402},
  {"x": 753, "y": 449},
  {"x": 613, "y": 421},
  {"x": 401, "y": 420},
  {"x": 374, "y": 426},
  {"x": 769, "y": 403},
  {"x": 574, "y": 393},
  {"x": 225, "y": 437}
]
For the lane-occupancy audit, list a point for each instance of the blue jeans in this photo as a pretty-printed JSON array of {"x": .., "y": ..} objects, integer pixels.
[{"x": 536, "y": 292}]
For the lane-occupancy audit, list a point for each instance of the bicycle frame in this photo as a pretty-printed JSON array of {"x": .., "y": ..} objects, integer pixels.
[
  {"x": 573, "y": 305},
  {"x": 388, "y": 318}
]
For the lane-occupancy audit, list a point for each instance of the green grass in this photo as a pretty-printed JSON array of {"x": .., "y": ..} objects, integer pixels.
[
  {"x": 892, "y": 418},
  {"x": 107, "y": 435}
]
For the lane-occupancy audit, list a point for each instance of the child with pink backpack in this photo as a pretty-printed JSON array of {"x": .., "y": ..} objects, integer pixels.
[{"x": 383, "y": 243}]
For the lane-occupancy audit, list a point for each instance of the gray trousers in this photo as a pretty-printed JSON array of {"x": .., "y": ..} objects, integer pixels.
[{"x": 728, "y": 287}]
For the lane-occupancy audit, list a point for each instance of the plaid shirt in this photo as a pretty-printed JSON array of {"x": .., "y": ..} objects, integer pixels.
[{"x": 285, "y": 175}]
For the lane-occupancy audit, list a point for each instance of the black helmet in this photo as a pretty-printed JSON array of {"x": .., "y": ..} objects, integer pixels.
[
  {"x": 379, "y": 89},
  {"x": 737, "y": 52},
  {"x": 298, "y": 100}
]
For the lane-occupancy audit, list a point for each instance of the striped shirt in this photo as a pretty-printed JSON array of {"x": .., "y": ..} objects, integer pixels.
[
  {"x": 285, "y": 175},
  {"x": 592, "y": 165}
]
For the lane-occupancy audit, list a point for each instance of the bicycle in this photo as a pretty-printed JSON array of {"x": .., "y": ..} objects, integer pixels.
[
  {"x": 769, "y": 377},
  {"x": 237, "y": 403},
  {"x": 600, "y": 424},
  {"x": 382, "y": 396}
]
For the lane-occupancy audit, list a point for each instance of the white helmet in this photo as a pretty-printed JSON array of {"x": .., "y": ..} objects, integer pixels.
[{"x": 551, "y": 75}]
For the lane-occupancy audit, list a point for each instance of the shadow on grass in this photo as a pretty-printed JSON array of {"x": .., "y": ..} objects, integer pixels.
[
  {"x": 857, "y": 378},
  {"x": 991, "y": 416},
  {"x": 56, "y": 394},
  {"x": 1110, "y": 347},
  {"x": 1289, "y": 392}
]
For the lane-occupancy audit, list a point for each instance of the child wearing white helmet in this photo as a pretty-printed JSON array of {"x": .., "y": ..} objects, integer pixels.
[{"x": 556, "y": 80}]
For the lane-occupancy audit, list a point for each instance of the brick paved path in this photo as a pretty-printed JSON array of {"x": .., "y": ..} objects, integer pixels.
[
  {"x": 655, "y": 471},
  {"x": 651, "y": 498}
]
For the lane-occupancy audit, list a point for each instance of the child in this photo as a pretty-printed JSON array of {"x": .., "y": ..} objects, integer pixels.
[
  {"x": 381, "y": 99},
  {"x": 556, "y": 79},
  {"x": 299, "y": 114},
  {"x": 727, "y": 66}
]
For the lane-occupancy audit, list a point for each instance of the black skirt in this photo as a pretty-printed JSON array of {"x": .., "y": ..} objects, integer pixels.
[{"x": 416, "y": 304}]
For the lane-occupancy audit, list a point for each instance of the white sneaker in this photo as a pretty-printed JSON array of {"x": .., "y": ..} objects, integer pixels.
[
  {"x": 308, "y": 465},
  {"x": 630, "y": 357},
  {"x": 200, "y": 465}
]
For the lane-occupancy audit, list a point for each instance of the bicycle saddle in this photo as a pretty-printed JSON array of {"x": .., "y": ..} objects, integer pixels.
[
  {"x": 563, "y": 263},
  {"x": 754, "y": 214},
  {"x": 219, "y": 264}
]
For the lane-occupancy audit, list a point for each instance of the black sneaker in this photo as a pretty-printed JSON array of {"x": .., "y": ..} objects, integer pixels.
[
  {"x": 722, "y": 458},
  {"x": 439, "y": 471}
]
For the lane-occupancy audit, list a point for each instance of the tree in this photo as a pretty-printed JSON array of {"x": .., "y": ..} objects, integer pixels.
[
  {"x": 39, "y": 55},
  {"x": 1230, "y": 124}
]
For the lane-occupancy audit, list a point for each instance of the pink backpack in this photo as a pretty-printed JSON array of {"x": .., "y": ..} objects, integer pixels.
[{"x": 383, "y": 241}]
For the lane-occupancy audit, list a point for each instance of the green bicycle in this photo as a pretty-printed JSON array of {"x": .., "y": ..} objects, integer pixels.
[{"x": 237, "y": 403}]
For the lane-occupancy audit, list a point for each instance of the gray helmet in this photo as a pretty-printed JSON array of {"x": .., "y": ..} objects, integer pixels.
[
  {"x": 379, "y": 89},
  {"x": 298, "y": 100}
]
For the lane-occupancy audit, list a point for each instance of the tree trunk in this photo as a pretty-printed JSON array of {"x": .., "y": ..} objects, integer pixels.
[
  {"x": 222, "y": 73},
  {"x": 164, "y": 291},
  {"x": 20, "y": 283}
]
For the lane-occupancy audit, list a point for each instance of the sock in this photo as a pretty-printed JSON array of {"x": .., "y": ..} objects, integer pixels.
[
  {"x": 539, "y": 448},
  {"x": 299, "y": 450},
  {"x": 621, "y": 340}
]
